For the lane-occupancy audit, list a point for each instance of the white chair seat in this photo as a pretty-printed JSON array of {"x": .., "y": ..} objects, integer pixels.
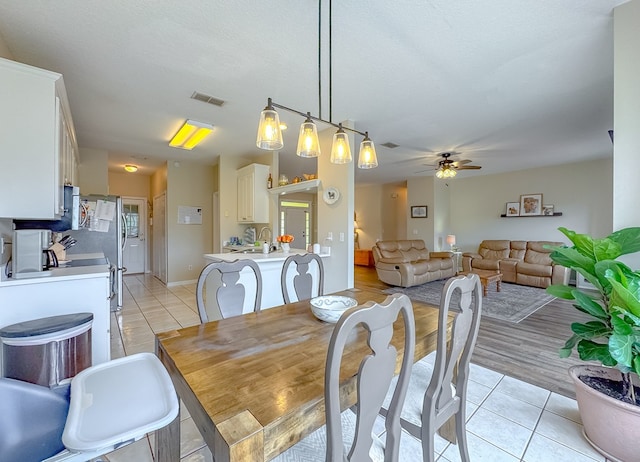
[{"x": 117, "y": 403}]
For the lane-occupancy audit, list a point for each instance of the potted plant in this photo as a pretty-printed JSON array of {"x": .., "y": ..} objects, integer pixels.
[{"x": 609, "y": 403}]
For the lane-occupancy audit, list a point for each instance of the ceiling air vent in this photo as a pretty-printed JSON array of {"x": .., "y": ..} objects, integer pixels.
[
  {"x": 390, "y": 145},
  {"x": 207, "y": 99}
]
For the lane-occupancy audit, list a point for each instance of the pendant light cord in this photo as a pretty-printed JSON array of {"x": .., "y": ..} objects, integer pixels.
[
  {"x": 330, "y": 60},
  {"x": 320, "y": 58}
]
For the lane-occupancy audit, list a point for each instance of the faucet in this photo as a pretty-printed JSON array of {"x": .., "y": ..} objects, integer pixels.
[{"x": 266, "y": 228}]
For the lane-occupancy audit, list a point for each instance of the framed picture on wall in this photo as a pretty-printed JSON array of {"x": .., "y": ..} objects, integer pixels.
[
  {"x": 513, "y": 209},
  {"x": 418, "y": 211},
  {"x": 547, "y": 209},
  {"x": 530, "y": 205}
]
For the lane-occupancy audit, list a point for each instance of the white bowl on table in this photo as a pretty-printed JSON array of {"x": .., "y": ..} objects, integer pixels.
[{"x": 329, "y": 308}]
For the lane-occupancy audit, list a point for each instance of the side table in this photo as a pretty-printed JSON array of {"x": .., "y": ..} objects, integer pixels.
[
  {"x": 457, "y": 256},
  {"x": 363, "y": 257}
]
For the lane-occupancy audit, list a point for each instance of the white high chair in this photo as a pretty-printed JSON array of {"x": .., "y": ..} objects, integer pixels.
[{"x": 114, "y": 404}]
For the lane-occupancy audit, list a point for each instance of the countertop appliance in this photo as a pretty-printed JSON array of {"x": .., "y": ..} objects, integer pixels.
[
  {"x": 27, "y": 252},
  {"x": 102, "y": 230}
]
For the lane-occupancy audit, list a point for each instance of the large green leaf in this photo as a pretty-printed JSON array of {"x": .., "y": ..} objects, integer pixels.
[
  {"x": 620, "y": 326},
  {"x": 591, "y": 329},
  {"x": 591, "y": 351},
  {"x": 561, "y": 291},
  {"x": 589, "y": 305},
  {"x": 621, "y": 297},
  {"x": 570, "y": 257},
  {"x": 628, "y": 239},
  {"x": 636, "y": 364},
  {"x": 565, "y": 351},
  {"x": 606, "y": 249},
  {"x": 620, "y": 348}
]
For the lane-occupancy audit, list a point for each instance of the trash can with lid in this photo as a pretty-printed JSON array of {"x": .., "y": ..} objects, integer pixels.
[{"x": 47, "y": 350}]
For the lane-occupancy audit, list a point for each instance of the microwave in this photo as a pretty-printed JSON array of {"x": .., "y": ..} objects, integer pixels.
[{"x": 69, "y": 220}]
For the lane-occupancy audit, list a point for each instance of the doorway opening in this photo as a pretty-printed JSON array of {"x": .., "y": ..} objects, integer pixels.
[
  {"x": 134, "y": 252},
  {"x": 296, "y": 219}
]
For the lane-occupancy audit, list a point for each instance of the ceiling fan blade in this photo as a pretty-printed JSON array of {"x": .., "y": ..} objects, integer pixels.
[
  {"x": 461, "y": 162},
  {"x": 469, "y": 167}
]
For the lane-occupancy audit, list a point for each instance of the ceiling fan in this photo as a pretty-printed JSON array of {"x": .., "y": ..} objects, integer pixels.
[{"x": 447, "y": 168}]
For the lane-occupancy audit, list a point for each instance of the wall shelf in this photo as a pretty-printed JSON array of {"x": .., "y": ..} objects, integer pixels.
[
  {"x": 302, "y": 186},
  {"x": 556, "y": 214}
]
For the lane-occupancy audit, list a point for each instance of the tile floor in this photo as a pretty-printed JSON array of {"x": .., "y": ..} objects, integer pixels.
[{"x": 508, "y": 420}]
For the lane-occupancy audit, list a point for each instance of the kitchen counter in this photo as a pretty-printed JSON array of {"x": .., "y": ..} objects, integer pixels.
[
  {"x": 62, "y": 273},
  {"x": 81, "y": 289},
  {"x": 270, "y": 269}
]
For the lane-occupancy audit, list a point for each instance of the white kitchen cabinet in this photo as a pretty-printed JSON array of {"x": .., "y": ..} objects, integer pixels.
[
  {"x": 253, "y": 199},
  {"x": 38, "y": 147}
]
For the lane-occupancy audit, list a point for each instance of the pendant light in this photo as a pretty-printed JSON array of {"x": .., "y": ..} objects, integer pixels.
[
  {"x": 367, "y": 157},
  {"x": 308, "y": 143},
  {"x": 340, "y": 149},
  {"x": 269, "y": 131}
]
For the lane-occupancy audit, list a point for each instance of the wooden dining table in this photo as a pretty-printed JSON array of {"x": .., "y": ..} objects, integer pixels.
[{"x": 254, "y": 384}]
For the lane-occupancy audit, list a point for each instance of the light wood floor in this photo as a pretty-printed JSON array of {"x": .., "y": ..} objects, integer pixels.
[{"x": 527, "y": 350}]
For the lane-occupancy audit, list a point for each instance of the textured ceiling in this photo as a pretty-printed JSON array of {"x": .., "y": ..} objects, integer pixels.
[{"x": 508, "y": 84}]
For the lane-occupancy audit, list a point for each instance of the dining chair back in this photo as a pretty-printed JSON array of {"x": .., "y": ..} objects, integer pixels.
[
  {"x": 231, "y": 294},
  {"x": 349, "y": 435},
  {"x": 438, "y": 392},
  {"x": 306, "y": 283}
]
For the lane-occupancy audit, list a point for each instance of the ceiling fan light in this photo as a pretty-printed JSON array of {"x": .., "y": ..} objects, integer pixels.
[
  {"x": 308, "y": 143},
  {"x": 340, "y": 149},
  {"x": 269, "y": 129},
  {"x": 367, "y": 157}
]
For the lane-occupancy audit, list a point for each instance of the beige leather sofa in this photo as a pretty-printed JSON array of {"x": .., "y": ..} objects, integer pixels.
[
  {"x": 520, "y": 262},
  {"x": 409, "y": 263}
]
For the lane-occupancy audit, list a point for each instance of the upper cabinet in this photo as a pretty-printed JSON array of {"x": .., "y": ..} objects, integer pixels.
[
  {"x": 253, "y": 200},
  {"x": 38, "y": 146}
]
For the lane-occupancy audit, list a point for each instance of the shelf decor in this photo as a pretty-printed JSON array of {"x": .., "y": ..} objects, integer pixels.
[
  {"x": 530, "y": 205},
  {"x": 547, "y": 209},
  {"x": 513, "y": 209}
]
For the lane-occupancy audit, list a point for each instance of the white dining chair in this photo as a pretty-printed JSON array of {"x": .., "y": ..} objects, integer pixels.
[
  {"x": 231, "y": 294},
  {"x": 438, "y": 392},
  {"x": 348, "y": 435},
  {"x": 307, "y": 283},
  {"x": 107, "y": 407}
]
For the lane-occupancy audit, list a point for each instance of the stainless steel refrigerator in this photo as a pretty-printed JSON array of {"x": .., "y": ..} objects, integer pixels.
[{"x": 102, "y": 229}]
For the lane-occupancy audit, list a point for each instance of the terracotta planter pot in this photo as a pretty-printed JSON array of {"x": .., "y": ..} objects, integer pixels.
[{"x": 610, "y": 425}]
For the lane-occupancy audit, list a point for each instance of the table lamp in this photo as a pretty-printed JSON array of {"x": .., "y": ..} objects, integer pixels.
[{"x": 451, "y": 240}]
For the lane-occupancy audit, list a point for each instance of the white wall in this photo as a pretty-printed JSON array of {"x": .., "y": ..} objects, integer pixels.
[
  {"x": 189, "y": 184},
  {"x": 4, "y": 50},
  {"x": 626, "y": 159},
  {"x": 336, "y": 218},
  {"x": 93, "y": 171},
  {"x": 581, "y": 191}
]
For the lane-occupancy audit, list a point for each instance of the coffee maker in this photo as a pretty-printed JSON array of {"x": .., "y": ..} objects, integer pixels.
[{"x": 29, "y": 252}]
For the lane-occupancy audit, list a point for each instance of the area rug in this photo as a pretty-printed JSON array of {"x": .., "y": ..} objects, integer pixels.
[{"x": 513, "y": 303}]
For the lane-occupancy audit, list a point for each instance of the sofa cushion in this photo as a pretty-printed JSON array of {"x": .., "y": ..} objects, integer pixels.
[
  {"x": 518, "y": 249},
  {"x": 483, "y": 264},
  {"x": 534, "y": 269},
  {"x": 538, "y": 254},
  {"x": 403, "y": 251},
  {"x": 494, "y": 249}
]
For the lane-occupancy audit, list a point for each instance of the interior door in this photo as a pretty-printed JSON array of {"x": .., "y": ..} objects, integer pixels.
[
  {"x": 134, "y": 254},
  {"x": 160, "y": 237}
]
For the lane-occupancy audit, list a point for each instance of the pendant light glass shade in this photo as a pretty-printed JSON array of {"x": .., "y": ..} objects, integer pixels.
[
  {"x": 367, "y": 157},
  {"x": 308, "y": 143},
  {"x": 340, "y": 149},
  {"x": 269, "y": 132}
]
